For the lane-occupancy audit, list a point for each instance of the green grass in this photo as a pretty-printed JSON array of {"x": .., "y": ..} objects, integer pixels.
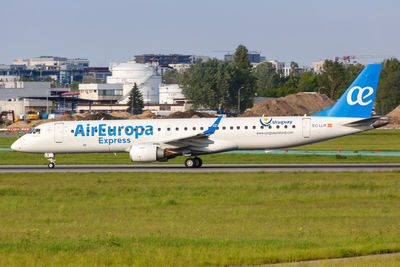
[
  {"x": 17, "y": 158},
  {"x": 383, "y": 140},
  {"x": 174, "y": 219}
]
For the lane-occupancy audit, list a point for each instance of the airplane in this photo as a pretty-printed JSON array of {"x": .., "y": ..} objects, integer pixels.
[{"x": 157, "y": 140}]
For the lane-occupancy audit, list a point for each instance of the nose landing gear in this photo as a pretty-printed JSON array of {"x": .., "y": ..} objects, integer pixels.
[
  {"x": 50, "y": 157},
  {"x": 193, "y": 162}
]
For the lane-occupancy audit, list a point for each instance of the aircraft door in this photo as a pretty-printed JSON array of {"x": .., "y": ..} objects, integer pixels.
[
  {"x": 59, "y": 132},
  {"x": 306, "y": 122}
]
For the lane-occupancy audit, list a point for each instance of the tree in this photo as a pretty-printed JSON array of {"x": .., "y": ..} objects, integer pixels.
[
  {"x": 74, "y": 86},
  {"x": 208, "y": 83},
  {"x": 388, "y": 94},
  {"x": 293, "y": 68},
  {"x": 244, "y": 79},
  {"x": 307, "y": 82},
  {"x": 172, "y": 77},
  {"x": 266, "y": 78},
  {"x": 135, "y": 100},
  {"x": 332, "y": 78}
]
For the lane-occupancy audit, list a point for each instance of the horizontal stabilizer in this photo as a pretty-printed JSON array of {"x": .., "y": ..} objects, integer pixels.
[{"x": 376, "y": 122}]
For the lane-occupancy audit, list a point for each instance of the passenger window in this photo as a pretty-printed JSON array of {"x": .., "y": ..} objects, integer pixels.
[
  {"x": 72, "y": 131},
  {"x": 217, "y": 128},
  {"x": 285, "y": 126},
  {"x": 168, "y": 129},
  {"x": 185, "y": 128},
  {"x": 159, "y": 129},
  {"x": 277, "y": 126},
  {"x": 177, "y": 129},
  {"x": 254, "y": 127},
  {"x": 238, "y": 127},
  {"x": 261, "y": 127},
  {"x": 223, "y": 127},
  {"x": 270, "y": 127},
  {"x": 245, "y": 127},
  {"x": 201, "y": 128},
  {"x": 231, "y": 127},
  {"x": 194, "y": 128},
  {"x": 294, "y": 126}
]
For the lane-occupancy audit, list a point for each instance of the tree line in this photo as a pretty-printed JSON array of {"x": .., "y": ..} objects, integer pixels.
[{"x": 232, "y": 85}]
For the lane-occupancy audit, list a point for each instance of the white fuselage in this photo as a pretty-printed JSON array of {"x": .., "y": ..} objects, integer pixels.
[{"x": 231, "y": 134}]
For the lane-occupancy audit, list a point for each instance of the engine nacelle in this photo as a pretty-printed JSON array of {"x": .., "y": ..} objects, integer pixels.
[{"x": 146, "y": 153}]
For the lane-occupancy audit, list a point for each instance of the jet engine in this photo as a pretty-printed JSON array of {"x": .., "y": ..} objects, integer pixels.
[{"x": 147, "y": 153}]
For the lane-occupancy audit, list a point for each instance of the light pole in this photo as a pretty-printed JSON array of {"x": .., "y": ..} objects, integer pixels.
[{"x": 239, "y": 98}]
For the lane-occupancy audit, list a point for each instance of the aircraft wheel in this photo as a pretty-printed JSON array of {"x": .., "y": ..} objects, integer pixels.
[
  {"x": 189, "y": 163},
  {"x": 51, "y": 165},
  {"x": 197, "y": 162}
]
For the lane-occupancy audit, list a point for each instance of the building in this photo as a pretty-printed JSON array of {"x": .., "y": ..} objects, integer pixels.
[
  {"x": 18, "y": 89},
  {"x": 277, "y": 64},
  {"x": 23, "y": 106},
  {"x": 180, "y": 67},
  {"x": 101, "y": 93},
  {"x": 287, "y": 71},
  {"x": 318, "y": 66},
  {"x": 254, "y": 57},
  {"x": 51, "y": 63},
  {"x": 169, "y": 93},
  {"x": 9, "y": 78},
  {"x": 98, "y": 74},
  {"x": 144, "y": 75},
  {"x": 165, "y": 60}
]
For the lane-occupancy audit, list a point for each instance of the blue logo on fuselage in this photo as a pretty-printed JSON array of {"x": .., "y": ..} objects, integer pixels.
[{"x": 103, "y": 131}]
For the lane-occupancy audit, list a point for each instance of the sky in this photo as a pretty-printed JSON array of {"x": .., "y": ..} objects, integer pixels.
[{"x": 107, "y": 31}]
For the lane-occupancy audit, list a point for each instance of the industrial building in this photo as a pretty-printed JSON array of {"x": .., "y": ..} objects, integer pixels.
[
  {"x": 23, "y": 106},
  {"x": 101, "y": 93},
  {"x": 169, "y": 93},
  {"x": 18, "y": 89}
]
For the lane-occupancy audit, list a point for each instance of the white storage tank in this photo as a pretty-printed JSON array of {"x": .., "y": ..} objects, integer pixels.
[{"x": 144, "y": 75}]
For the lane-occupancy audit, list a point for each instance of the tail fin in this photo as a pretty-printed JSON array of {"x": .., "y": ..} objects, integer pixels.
[{"x": 358, "y": 100}]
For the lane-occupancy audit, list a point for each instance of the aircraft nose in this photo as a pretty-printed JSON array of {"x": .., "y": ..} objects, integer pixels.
[{"x": 16, "y": 146}]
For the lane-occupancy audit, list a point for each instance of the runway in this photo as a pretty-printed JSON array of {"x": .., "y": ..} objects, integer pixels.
[{"x": 206, "y": 168}]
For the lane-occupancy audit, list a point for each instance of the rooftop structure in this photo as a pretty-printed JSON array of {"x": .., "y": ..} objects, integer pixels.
[
  {"x": 18, "y": 89},
  {"x": 165, "y": 60}
]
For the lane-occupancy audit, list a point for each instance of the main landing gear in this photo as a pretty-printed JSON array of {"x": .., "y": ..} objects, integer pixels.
[
  {"x": 50, "y": 157},
  {"x": 193, "y": 162}
]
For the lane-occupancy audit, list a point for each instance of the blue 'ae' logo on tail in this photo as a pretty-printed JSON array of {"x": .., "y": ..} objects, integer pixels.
[{"x": 358, "y": 100}]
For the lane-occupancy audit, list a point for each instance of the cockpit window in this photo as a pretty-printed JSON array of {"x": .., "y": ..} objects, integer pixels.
[{"x": 34, "y": 131}]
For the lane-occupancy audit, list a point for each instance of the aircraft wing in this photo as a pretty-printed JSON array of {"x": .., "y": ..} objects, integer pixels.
[{"x": 191, "y": 141}]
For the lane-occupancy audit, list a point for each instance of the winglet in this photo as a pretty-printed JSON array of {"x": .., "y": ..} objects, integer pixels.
[{"x": 213, "y": 127}]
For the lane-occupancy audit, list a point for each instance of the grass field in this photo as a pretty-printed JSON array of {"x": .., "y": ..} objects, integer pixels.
[
  {"x": 16, "y": 158},
  {"x": 150, "y": 219},
  {"x": 383, "y": 140}
]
